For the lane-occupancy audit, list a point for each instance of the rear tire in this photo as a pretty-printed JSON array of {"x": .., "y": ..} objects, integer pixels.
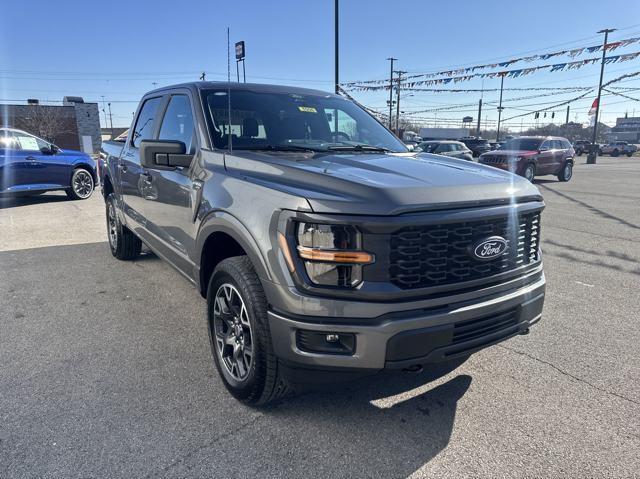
[
  {"x": 529, "y": 172},
  {"x": 123, "y": 244},
  {"x": 82, "y": 185},
  {"x": 566, "y": 173},
  {"x": 629, "y": 155},
  {"x": 237, "y": 316}
]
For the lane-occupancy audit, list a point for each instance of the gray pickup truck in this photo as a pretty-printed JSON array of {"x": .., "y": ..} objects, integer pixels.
[{"x": 324, "y": 248}]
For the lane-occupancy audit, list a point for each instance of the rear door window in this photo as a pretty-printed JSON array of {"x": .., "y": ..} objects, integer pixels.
[{"x": 143, "y": 129}]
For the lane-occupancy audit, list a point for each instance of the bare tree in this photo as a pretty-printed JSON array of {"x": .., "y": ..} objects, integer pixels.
[{"x": 47, "y": 122}]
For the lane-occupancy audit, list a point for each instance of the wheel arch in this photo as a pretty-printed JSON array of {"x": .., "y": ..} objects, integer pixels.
[
  {"x": 91, "y": 169},
  {"x": 222, "y": 236}
]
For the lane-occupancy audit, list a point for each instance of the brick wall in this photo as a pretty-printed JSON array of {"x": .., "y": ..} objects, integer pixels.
[
  {"x": 88, "y": 123},
  {"x": 62, "y": 125}
]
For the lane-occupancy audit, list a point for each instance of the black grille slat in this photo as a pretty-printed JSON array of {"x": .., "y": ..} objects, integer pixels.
[
  {"x": 436, "y": 255},
  {"x": 469, "y": 330}
]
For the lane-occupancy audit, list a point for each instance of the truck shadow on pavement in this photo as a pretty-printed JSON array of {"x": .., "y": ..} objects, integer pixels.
[{"x": 389, "y": 425}]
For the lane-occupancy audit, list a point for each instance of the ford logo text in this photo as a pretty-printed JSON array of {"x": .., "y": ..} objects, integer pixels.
[{"x": 489, "y": 248}]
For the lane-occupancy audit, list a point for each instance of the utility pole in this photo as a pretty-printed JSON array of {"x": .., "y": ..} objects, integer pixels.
[
  {"x": 400, "y": 73},
  {"x": 479, "y": 115},
  {"x": 593, "y": 150},
  {"x": 104, "y": 110},
  {"x": 110, "y": 119},
  {"x": 567, "y": 120},
  {"x": 337, "y": 64},
  {"x": 500, "y": 108},
  {"x": 203, "y": 76},
  {"x": 391, "y": 91}
]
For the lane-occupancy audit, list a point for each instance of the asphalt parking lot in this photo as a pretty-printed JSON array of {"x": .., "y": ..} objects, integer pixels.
[{"x": 105, "y": 368}]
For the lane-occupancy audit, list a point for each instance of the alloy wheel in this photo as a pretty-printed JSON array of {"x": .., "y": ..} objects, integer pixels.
[
  {"x": 232, "y": 330},
  {"x": 568, "y": 171},
  {"x": 528, "y": 173},
  {"x": 112, "y": 226},
  {"x": 82, "y": 184}
]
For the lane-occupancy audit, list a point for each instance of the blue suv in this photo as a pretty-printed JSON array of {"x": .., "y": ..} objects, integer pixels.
[{"x": 31, "y": 165}]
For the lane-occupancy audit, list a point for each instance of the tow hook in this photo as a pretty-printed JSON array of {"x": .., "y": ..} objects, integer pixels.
[
  {"x": 524, "y": 332},
  {"x": 415, "y": 369}
]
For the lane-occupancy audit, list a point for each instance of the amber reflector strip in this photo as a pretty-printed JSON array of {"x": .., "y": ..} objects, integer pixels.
[{"x": 331, "y": 256}]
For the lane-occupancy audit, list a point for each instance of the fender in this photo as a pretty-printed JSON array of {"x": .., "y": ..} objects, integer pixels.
[{"x": 223, "y": 222}]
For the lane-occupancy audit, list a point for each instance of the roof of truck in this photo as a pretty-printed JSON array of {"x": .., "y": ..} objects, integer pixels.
[{"x": 261, "y": 87}]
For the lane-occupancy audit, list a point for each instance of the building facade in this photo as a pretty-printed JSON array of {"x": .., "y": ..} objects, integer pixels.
[
  {"x": 73, "y": 125},
  {"x": 626, "y": 129}
]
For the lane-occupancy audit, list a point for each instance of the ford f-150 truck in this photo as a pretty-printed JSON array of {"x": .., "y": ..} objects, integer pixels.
[{"x": 324, "y": 248}]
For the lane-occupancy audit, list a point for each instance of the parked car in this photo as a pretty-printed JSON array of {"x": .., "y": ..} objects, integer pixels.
[
  {"x": 617, "y": 148},
  {"x": 30, "y": 165},
  {"x": 581, "y": 146},
  {"x": 477, "y": 145},
  {"x": 531, "y": 156},
  {"x": 495, "y": 145},
  {"x": 455, "y": 149},
  {"x": 410, "y": 144},
  {"x": 324, "y": 251}
]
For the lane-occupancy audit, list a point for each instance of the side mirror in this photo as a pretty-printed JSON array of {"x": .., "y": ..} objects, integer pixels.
[
  {"x": 164, "y": 154},
  {"x": 49, "y": 150}
]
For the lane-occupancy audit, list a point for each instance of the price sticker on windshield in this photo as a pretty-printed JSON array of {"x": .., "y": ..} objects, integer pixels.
[{"x": 307, "y": 109}]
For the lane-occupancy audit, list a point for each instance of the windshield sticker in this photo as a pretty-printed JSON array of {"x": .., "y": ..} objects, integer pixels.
[
  {"x": 28, "y": 143},
  {"x": 307, "y": 109}
]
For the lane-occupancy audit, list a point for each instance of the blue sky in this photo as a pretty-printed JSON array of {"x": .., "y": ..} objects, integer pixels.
[{"x": 118, "y": 49}]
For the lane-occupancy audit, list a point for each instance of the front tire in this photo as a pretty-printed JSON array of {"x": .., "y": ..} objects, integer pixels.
[
  {"x": 82, "y": 184},
  {"x": 240, "y": 336},
  {"x": 566, "y": 172},
  {"x": 615, "y": 153},
  {"x": 529, "y": 172},
  {"x": 123, "y": 244}
]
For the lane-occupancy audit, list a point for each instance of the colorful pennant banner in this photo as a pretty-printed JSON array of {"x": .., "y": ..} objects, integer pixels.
[
  {"x": 464, "y": 72},
  {"x": 505, "y": 73}
]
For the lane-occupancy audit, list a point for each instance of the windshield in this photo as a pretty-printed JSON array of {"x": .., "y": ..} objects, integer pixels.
[
  {"x": 286, "y": 121},
  {"x": 525, "y": 144}
]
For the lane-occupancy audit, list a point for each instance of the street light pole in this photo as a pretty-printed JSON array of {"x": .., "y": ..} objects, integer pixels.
[
  {"x": 337, "y": 63},
  {"x": 593, "y": 150},
  {"x": 500, "y": 108},
  {"x": 110, "y": 119},
  {"x": 391, "y": 91}
]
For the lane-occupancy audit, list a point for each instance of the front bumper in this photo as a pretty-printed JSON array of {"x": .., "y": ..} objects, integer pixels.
[{"x": 413, "y": 337}]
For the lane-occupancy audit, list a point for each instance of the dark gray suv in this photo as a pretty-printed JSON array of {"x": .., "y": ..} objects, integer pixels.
[{"x": 324, "y": 248}]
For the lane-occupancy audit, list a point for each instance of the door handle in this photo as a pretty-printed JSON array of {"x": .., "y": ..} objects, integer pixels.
[{"x": 32, "y": 158}]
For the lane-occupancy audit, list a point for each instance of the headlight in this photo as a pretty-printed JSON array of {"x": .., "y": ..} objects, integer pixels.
[{"x": 332, "y": 254}]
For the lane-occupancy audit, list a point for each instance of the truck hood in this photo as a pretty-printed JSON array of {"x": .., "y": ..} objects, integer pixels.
[{"x": 381, "y": 184}]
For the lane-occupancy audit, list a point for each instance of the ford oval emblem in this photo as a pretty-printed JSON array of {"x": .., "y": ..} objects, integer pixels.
[{"x": 489, "y": 248}]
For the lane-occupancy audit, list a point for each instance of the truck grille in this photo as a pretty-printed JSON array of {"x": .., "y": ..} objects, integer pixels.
[
  {"x": 493, "y": 160},
  {"x": 436, "y": 255}
]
